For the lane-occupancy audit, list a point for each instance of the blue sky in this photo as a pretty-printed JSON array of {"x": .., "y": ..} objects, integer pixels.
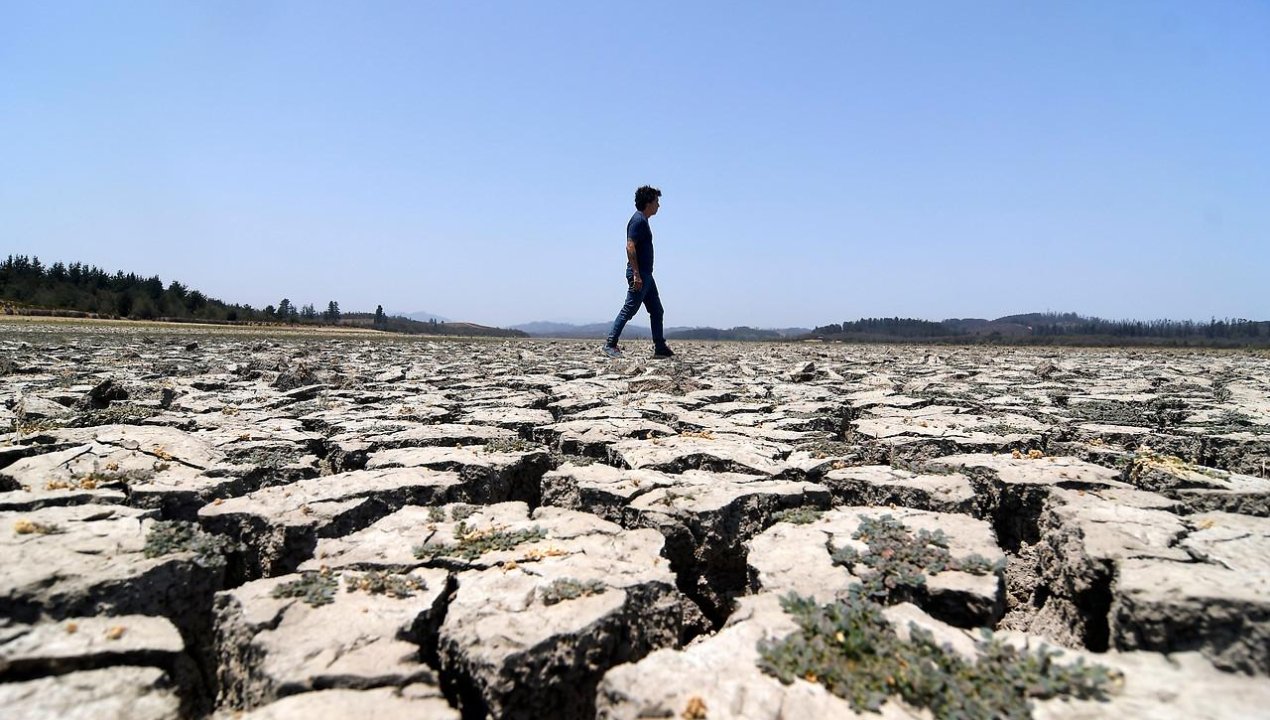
[{"x": 820, "y": 161}]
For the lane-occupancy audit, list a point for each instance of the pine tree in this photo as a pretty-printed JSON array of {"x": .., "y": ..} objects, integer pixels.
[
  {"x": 380, "y": 319},
  {"x": 332, "y": 314}
]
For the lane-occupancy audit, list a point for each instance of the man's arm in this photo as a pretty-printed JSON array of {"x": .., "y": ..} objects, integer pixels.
[{"x": 637, "y": 282}]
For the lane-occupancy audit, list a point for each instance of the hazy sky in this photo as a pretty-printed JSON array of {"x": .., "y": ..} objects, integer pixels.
[{"x": 820, "y": 161}]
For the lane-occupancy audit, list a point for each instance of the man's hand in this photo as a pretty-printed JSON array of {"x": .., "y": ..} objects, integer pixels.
[{"x": 632, "y": 264}]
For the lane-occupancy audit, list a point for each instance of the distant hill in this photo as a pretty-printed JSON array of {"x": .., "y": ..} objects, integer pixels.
[
  {"x": 737, "y": 333},
  {"x": 1010, "y": 326},
  {"x": 866, "y": 328},
  {"x": 569, "y": 330},
  {"x": 423, "y": 316},
  {"x": 1045, "y": 318},
  {"x": 601, "y": 330},
  {"x": 414, "y": 327},
  {"x": 1052, "y": 328}
]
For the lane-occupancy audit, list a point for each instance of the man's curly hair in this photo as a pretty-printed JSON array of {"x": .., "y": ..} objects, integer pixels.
[{"x": 645, "y": 195}]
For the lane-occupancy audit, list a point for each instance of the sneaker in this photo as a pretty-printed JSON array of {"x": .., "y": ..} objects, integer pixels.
[
  {"x": 613, "y": 351},
  {"x": 663, "y": 352}
]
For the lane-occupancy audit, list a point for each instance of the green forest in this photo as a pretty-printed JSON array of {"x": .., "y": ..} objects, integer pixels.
[
  {"x": 93, "y": 291},
  {"x": 1054, "y": 329},
  {"x": 32, "y": 287}
]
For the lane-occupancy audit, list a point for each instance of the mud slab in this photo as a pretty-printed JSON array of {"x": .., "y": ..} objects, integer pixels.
[{"x": 292, "y": 526}]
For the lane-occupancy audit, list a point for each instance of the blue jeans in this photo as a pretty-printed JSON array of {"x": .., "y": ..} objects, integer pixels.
[{"x": 646, "y": 296}]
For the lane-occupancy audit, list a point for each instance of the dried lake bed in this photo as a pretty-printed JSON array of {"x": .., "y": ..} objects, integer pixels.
[{"x": 236, "y": 523}]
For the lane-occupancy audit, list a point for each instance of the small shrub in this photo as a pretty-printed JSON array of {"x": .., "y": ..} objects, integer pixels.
[
  {"x": 474, "y": 543},
  {"x": 513, "y": 445},
  {"x": 1166, "y": 412},
  {"x": 896, "y": 562},
  {"x": 1234, "y": 418},
  {"x": 821, "y": 449},
  {"x": 100, "y": 478},
  {"x": 976, "y": 564},
  {"x": 117, "y": 414},
  {"x": 850, "y": 648},
  {"x": 34, "y": 427},
  {"x": 317, "y": 588},
  {"x": 377, "y": 582},
  {"x": 173, "y": 536},
  {"x": 1145, "y": 461},
  {"x": 570, "y": 589},
  {"x": 798, "y": 516}
]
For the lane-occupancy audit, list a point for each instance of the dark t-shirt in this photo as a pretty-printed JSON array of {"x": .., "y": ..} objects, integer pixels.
[{"x": 637, "y": 229}]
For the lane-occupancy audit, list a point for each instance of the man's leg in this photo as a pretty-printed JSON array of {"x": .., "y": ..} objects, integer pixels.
[
  {"x": 652, "y": 302},
  {"x": 633, "y": 300}
]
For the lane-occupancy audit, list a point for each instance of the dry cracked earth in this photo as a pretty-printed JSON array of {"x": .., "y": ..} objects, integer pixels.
[{"x": 196, "y": 524}]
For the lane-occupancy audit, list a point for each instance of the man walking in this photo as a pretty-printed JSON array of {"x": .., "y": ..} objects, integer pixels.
[{"x": 641, "y": 288}]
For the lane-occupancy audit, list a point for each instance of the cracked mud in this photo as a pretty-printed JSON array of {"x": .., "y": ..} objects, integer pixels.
[{"x": 256, "y": 527}]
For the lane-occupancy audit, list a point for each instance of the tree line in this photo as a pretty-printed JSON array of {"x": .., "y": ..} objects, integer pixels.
[
  {"x": 1214, "y": 329},
  {"x": 79, "y": 288},
  {"x": 890, "y": 327},
  {"x": 1056, "y": 329},
  {"x": 89, "y": 289}
]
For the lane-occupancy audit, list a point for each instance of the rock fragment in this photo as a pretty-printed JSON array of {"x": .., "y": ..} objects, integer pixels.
[
  {"x": 414, "y": 702},
  {"x": 1197, "y": 487},
  {"x": 1084, "y": 539},
  {"x": 1216, "y": 601},
  {"x": 884, "y": 486},
  {"x": 280, "y": 526},
  {"x": 544, "y": 601},
  {"x": 593, "y": 436},
  {"x": 705, "y": 517},
  {"x": 1013, "y": 490},
  {"x": 93, "y": 560},
  {"x": 490, "y": 475},
  {"x": 702, "y": 451},
  {"x": 85, "y": 643},
  {"x": 102, "y": 395},
  {"x": 117, "y": 693},
  {"x": 279, "y": 636}
]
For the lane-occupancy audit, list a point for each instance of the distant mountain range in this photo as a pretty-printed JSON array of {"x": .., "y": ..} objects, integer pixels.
[
  {"x": 422, "y": 316},
  {"x": 1048, "y": 328},
  {"x": 569, "y": 330},
  {"x": 1052, "y": 328},
  {"x": 402, "y": 324},
  {"x": 601, "y": 330},
  {"x": 1010, "y": 326}
]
